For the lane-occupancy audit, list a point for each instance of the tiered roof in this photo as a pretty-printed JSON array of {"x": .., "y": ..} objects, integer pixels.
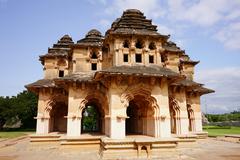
[
  {"x": 93, "y": 38},
  {"x": 172, "y": 47},
  {"x": 60, "y": 49},
  {"x": 134, "y": 22}
]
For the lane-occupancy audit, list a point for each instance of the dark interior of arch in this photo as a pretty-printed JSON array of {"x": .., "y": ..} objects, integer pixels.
[
  {"x": 94, "y": 55},
  {"x": 57, "y": 122},
  {"x": 139, "y": 44},
  {"x": 152, "y": 46},
  {"x": 126, "y": 44}
]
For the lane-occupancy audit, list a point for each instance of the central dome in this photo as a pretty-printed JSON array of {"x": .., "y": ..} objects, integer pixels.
[
  {"x": 93, "y": 33},
  {"x": 133, "y": 21}
]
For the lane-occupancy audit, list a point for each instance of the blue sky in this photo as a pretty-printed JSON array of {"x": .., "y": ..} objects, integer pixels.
[{"x": 208, "y": 30}]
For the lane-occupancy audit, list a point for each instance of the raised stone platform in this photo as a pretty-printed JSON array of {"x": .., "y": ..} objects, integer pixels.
[
  {"x": 201, "y": 135},
  {"x": 134, "y": 146}
]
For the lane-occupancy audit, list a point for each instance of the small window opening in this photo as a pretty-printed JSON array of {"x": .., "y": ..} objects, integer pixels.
[
  {"x": 151, "y": 59},
  {"x": 139, "y": 44},
  {"x": 125, "y": 44},
  {"x": 144, "y": 148},
  {"x": 125, "y": 57},
  {"x": 61, "y": 73},
  {"x": 94, "y": 66},
  {"x": 152, "y": 46},
  {"x": 138, "y": 58},
  {"x": 163, "y": 58},
  {"x": 94, "y": 55}
]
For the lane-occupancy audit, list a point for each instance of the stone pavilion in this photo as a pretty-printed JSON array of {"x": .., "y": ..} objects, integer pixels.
[{"x": 136, "y": 80}]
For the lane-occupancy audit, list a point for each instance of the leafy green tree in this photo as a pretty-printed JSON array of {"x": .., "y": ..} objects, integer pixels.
[
  {"x": 90, "y": 119},
  {"x": 26, "y": 107},
  {"x": 22, "y": 107}
]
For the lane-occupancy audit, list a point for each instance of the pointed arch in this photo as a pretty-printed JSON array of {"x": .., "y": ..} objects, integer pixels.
[
  {"x": 98, "y": 102},
  {"x": 126, "y": 44},
  {"x": 56, "y": 110},
  {"x": 139, "y": 44},
  {"x": 191, "y": 118},
  {"x": 174, "y": 110},
  {"x": 142, "y": 109}
]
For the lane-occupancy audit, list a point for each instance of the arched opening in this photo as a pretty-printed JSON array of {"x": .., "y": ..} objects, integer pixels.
[
  {"x": 190, "y": 118},
  {"x": 139, "y": 44},
  {"x": 57, "y": 122},
  {"x": 174, "y": 110},
  {"x": 173, "y": 120},
  {"x": 94, "y": 55},
  {"x": 141, "y": 120},
  {"x": 92, "y": 118},
  {"x": 152, "y": 46},
  {"x": 126, "y": 44}
]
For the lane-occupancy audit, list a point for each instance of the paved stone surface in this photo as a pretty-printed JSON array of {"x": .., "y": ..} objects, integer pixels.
[{"x": 208, "y": 149}]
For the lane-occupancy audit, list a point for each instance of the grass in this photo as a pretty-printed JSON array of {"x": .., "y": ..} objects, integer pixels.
[
  {"x": 15, "y": 133},
  {"x": 220, "y": 131}
]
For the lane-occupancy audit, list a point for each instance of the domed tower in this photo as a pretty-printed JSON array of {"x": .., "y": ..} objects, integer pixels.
[
  {"x": 55, "y": 62},
  {"x": 87, "y": 52},
  {"x": 134, "y": 40}
]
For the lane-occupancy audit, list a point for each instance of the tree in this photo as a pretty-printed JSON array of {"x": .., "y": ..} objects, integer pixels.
[
  {"x": 22, "y": 107},
  {"x": 26, "y": 107}
]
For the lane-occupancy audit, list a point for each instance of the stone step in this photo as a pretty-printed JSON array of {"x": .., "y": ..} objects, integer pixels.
[
  {"x": 201, "y": 135},
  {"x": 187, "y": 140},
  {"x": 44, "y": 139},
  {"x": 163, "y": 146},
  {"x": 79, "y": 142}
]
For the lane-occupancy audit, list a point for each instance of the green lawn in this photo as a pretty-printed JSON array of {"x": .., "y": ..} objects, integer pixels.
[
  {"x": 15, "y": 133},
  {"x": 220, "y": 131}
]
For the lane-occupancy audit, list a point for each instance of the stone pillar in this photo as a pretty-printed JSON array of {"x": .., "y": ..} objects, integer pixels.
[
  {"x": 196, "y": 115},
  {"x": 117, "y": 115},
  {"x": 42, "y": 125},
  {"x": 183, "y": 112},
  {"x": 162, "y": 121},
  {"x": 184, "y": 122},
  {"x": 43, "y": 117},
  {"x": 198, "y": 122},
  {"x": 117, "y": 127},
  {"x": 73, "y": 126},
  {"x": 107, "y": 126},
  {"x": 75, "y": 102}
]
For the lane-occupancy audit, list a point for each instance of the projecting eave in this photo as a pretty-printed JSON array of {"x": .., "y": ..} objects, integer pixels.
[
  {"x": 189, "y": 62},
  {"x": 186, "y": 83},
  {"x": 201, "y": 90},
  {"x": 42, "y": 83},
  {"x": 77, "y": 77},
  {"x": 137, "y": 70}
]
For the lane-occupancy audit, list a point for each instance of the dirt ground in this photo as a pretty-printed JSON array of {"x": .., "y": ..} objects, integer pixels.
[{"x": 208, "y": 149}]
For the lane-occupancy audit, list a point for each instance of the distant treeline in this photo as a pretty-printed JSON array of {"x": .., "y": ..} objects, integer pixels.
[
  {"x": 18, "y": 109},
  {"x": 233, "y": 116}
]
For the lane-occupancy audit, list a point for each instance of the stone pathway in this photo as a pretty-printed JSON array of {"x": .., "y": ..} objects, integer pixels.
[{"x": 208, "y": 149}]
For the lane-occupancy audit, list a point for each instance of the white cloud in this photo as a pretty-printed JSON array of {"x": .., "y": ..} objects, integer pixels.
[
  {"x": 226, "y": 83},
  {"x": 163, "y": 29},
  {"x": 229, "y": 35},
  {"x": 218, "y": 19},
  {"x": 149, "y": 7},
  {"x": 202, "y": 12},
  {"x": 233, "y": 15},
  {"x": 105, "y": 24}
]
